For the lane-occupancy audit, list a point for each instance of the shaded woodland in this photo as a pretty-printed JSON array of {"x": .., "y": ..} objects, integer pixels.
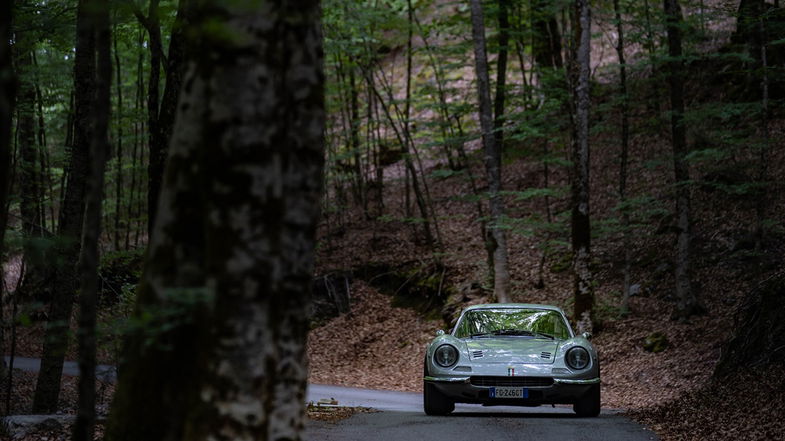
[{"x": 175, "y": 174}]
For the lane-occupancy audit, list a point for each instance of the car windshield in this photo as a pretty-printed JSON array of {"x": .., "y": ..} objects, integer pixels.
[{"x": 536, "y": 323}]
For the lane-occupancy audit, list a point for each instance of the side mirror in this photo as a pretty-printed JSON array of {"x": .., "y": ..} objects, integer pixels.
[
  {"x": 586, "y": 335},
  {"x": 439, "y": 333}
]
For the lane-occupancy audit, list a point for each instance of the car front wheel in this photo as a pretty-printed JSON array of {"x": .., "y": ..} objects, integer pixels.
[
  {"x": 589, "y": 404},
  {"x": 434, "y": 402}
]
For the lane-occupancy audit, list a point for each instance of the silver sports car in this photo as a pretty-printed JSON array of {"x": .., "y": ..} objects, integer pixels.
[{"x": 511, "y": 354}]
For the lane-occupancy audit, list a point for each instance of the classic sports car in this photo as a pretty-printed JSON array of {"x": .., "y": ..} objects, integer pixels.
[{"x": 511, "y": 354}]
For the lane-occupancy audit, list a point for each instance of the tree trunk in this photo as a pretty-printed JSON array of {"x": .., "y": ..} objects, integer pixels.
[
  {"x": 84, "y": 427},
  {"x": 119, "y": 187},
  {"x": 763, "y": 155},
  {"x": 546, "y": 39},
  {"x": 29, "y": 173},
  {"x": 501, "y": 74},
  {"x": 495, "y": 236},
  {"x": 155, "y": 166},
  {"x": 624, "y": 158},
  {"x": 61, "y": 279},
  {"x": 687, "y": 303},
  {"x": 7, "y": 94},
  {"x": 228, "y": 273},
  {"x": 580, "y": 220},
  {"x": 161, "y": 114}
]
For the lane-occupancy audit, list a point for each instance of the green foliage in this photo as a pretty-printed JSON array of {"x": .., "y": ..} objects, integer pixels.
[{"x": 120, "y": 272}]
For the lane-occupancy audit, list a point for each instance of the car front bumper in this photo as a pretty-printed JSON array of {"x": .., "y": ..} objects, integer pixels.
[{"x": 562, "y": 391}]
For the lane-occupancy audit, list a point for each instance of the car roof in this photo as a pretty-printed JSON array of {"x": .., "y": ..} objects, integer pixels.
[{"x": 515, "y": 306}]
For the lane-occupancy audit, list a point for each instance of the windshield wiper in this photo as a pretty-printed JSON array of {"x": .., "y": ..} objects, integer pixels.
[{"x": 481, "y": 334}]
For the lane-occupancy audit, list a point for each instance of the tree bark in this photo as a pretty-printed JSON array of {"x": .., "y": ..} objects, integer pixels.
[
  {"x": 29, "y": 173},
  {"x": 155, "y": 166},
  {"x": 84, "y": 427},
  {"x": 501, "y": 73},
  {"x": 687, "y": 303},
  {"x": 623, "y": 158},
  {"x": 119, "y": 187},
  {"x": 61, "y": 278},
  {"x": 495, "y": 235},
  {"x": 161, "y": 113},
  {"x": 7, "y": 95},
  {"x": 546, "y": 38},
  {"x": 580, "y": 219},
  {"x": 228, "y": 273}
]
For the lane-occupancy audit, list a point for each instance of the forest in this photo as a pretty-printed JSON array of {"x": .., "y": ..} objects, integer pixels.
[{"x": 228, "y": 200}]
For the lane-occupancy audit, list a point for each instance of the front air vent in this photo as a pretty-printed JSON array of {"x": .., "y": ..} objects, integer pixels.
[
  {"x": 462, "y": 369},
  {"x": 546, "y": 355},
  {"x": 477, "y": 354},
  {"x": 488, "y": 381}
]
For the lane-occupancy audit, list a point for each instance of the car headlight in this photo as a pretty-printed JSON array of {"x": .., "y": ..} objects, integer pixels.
[
  {"x": 445, "y": 355},
  {"x": 577, "y": 358}
]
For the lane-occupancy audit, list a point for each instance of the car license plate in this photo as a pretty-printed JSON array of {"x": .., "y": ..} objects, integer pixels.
[{"x": 508, "y": 392}]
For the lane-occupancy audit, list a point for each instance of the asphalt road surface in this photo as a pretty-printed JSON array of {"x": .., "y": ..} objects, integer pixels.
[{"x": 400, "y": 418}]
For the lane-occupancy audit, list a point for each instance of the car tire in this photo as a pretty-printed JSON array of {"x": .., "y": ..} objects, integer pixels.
[
  {"x": 589, "y": 404},
  {"x": 434, "y": 402}
]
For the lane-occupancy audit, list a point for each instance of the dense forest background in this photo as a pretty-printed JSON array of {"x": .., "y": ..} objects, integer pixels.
[{"x": 620, "y": 159}]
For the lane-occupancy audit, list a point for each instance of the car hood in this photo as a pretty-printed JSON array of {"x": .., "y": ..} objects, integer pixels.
[{"x": 512, "y": 350}]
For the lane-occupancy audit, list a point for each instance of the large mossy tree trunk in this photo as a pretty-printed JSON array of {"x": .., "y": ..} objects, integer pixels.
[
  {"x": 61, "y": 280},
  {"x": 580, "y": 218},
  {"x": 219, "y": 346},
  {"x": 495, "y": 237}
]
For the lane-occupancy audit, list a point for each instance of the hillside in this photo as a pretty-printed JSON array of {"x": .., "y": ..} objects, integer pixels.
[{"x": 380, "y": 346}]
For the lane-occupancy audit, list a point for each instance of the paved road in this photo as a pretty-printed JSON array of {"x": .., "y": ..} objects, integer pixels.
[{"x": 401, "y": 418}]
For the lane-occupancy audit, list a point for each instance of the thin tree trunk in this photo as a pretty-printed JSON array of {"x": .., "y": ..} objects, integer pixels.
[
  {"x": 30, "y": 185},
  {"x": 763, "y": 155},
  {"x": 61, "y": 278},
  {"x": 496, "y": 236},
  {"x": 119, "y": 184},
  {"x": 687, "y": 303},
  {"x": 546, "y": 44},
  {"x": 161, "y": 113},
  {"x": 45, "y": 178},
  {"x": 155, "y": 168},
  {"x": 133, "y": 213},
  {"x": 405, "y": 141},
  {"x": 7, "y": 95},
  {"x": 580, "y": 219},
  {"x": 501, "y": 73},
  {"x": 624, "y": 158},
  {"x": 650, "y": 44},
  {"x": 84, "y": 427}
]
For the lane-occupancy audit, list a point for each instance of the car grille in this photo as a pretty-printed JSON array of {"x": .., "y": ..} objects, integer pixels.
[{"x": 511, "y": 381}]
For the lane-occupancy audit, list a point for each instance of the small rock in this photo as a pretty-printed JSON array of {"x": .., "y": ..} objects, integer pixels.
[{"x": 635, "y": 290}]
